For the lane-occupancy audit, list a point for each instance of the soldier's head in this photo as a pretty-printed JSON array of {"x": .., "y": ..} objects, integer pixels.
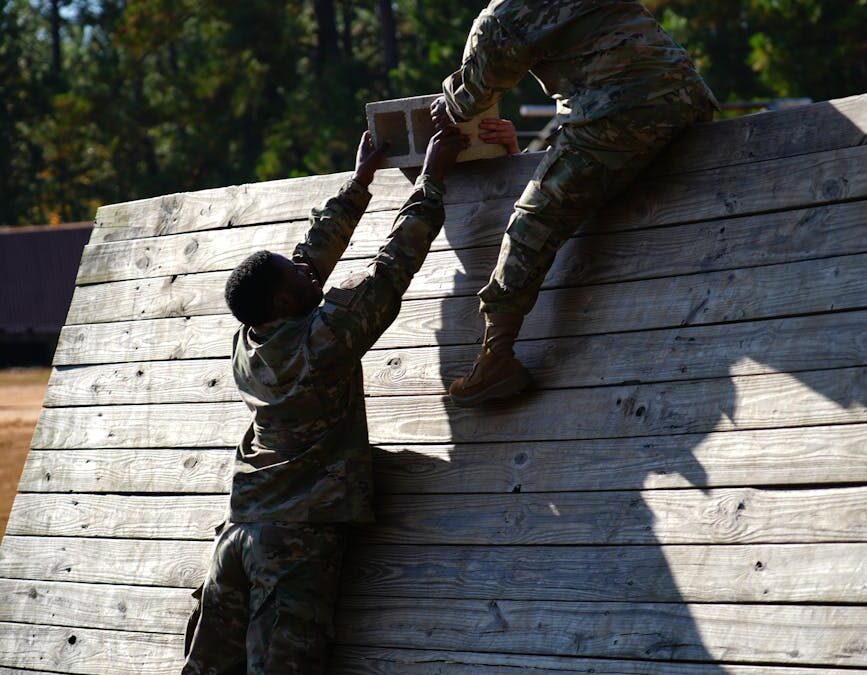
[{"x": 266, "y": 286}]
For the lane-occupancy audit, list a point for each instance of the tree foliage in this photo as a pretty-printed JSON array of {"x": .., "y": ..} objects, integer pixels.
[
  {"x": 751, "y": 49},
  {"x": 158, "y": 96}
]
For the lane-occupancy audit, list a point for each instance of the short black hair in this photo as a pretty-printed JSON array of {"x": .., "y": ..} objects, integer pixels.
[{"x": 250, "y": 288}]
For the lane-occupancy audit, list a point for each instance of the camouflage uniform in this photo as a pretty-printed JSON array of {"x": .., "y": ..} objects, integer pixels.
[
  {"x": 303, "y": 469},
  {"x": 623, "y": 89}
]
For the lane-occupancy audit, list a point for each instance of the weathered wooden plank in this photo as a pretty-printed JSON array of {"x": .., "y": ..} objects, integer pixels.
[
  {"x": 820, "y": 178},
  {"x": 737, "y": 242},
  {"x": 822, "y": 397},
  {"x": 94, "y": 650},
  {"x": 384, "y": 661},
  {"x": 721, "y": 516},
  {"x": 786, "y": 237},
  {"x": 762, "y": 401},
  {"x": 290, "y": 199},
  {"x": 813, "y": 342},
  {"x": 158, "y": 297},
  {"x": 746, "y": 348},
  {"x": 135, "y": 470},
  {"x": 185, "y": 253},
  {"x": 147, "y": 562},
  {"x": 165, "y": 426},
  {"x": 833, "y": 454},
  {"x": 196, "y": 337},
  {"x": 770, "y": 634},
  {"x": 752, "y": 402},
  {"x": 814, "y": 573},
  {"x": 766, "y": 457},
  {"x": 370, "y": 661},
  {"x": 224, "y": 207},
  {"x": 772, "y": 238},
  {"x": 828, "y": 125},
  {"x": 89, "y": 650},
  {"x": 818, "y": 573},
  {"x": 466, "y": 225},
  {"x": 143, "y": 609},
  {"x": 188, "y": 517},
  {"x": 196, "y": 381}
]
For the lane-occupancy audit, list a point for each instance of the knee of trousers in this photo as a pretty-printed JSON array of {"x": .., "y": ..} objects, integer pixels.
[{"x": 526, "y": 253}]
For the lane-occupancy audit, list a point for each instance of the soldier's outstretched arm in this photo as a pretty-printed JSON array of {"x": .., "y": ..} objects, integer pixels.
[
  {"x": 494, "y": 61},
  {"x": 332, "y": 224},
  {"x": 360, "y": 310}
]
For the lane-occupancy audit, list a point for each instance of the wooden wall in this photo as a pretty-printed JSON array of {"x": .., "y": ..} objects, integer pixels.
[{"x": 685, "y": 493}]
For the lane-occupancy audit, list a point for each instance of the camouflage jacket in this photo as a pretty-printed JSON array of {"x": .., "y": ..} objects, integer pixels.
[
  {"x": 305, "y": 457},
  {"x": 594, "y": 57}
]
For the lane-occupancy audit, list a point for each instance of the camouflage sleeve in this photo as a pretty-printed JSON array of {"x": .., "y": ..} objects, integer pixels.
[
  {"x": 494, "y": 61},
  {"x": 365, "y": 304},
  {"x": 331, "y": 226}
]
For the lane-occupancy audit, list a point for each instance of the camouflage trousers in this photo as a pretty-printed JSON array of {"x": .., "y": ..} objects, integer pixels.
[
  {"x": 586, "y": 166},
  {"x": 267, "y": 603}
]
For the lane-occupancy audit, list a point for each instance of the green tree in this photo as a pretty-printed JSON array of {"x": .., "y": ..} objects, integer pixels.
[
  {"x": 773, "y": 48},
  {"x": 112, "y": 100},
  {"x": 24, "y": 102}
]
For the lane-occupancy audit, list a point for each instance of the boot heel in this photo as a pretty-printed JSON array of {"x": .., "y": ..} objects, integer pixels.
[{"x": 497, "y": 391}]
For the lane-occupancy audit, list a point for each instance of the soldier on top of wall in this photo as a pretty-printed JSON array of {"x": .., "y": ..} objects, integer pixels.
[
  {"x": 303, "y": 469},
  {"x": 624, "y": 90}
]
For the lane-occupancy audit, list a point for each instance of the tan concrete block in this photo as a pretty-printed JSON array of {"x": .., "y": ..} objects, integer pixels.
[{"x": 406, "y": 124}]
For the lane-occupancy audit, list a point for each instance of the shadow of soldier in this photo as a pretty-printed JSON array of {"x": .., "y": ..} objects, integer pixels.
[
  {"x": 558, "y": 510},
  {"x": 508, "y": 540},
  {"x": 479, "y": 548},
  {"x": 581, "y": 519}
]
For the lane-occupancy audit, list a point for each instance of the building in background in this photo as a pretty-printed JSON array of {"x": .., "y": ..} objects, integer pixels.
[{"x": 38, "y": 265}]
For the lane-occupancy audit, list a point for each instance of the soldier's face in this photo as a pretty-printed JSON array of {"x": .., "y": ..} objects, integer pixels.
[{"x": 299, "y": 293}]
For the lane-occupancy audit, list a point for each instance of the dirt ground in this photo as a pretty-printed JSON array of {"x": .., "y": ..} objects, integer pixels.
[{"x": 21, "y": 394}]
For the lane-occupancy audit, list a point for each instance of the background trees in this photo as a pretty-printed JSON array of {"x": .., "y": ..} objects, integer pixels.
[
  {"x": 774, "y": 48},
  {"x": 112, "y": 100}
]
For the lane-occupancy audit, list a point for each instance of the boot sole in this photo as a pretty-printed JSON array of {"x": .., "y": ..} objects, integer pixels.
[{"x": 498, "y": 391}]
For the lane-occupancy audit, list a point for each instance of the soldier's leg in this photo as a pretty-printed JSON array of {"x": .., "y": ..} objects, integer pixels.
[
  {"x": 587, "y": 166},
  {"x": 218, "y": 638},
  {"x": 564, "y": 189},
  {"x": 295, "y": 571}
]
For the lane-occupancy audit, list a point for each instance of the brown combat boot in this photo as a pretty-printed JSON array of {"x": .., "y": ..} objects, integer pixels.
[{"x": 496, "y": 374}]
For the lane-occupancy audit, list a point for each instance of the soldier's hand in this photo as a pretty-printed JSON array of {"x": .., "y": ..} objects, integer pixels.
[
  {"x": 368, "y": 159},
  {"x": 439, "y": 114},
  {"x": 442, "y": 152},
  {"x": 499, "y": 132}
]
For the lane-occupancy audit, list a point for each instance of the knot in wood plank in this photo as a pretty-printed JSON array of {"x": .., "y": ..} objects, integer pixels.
[{"x": 726, "y": 516}]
